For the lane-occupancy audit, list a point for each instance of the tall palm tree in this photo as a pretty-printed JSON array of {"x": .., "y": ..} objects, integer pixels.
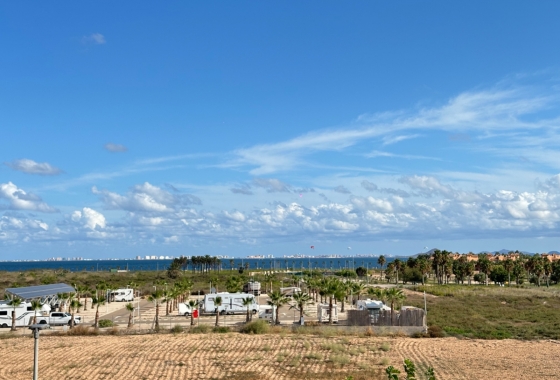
[
  {"x": 300, "y": 301},
  {"x": 218, "y": 303},
  {"x": 97, "y": 301},
  {"x": 508, "y": 266},
  {"x": 247, "y": 302},
  {"x": 329, "y": 287},
  {"x": 86, "y": 292},
  {"x": 156, "y": 298},
  {"x": 14, "y": 302},
  {"x": 381, "y": 261},
  {"x": 192, "y": 304},
  {"x": 130, "y": 308},
  {"x": 276, "y": 300},
  {"x": 35, "y": 306},
  {"x": 74, "y": 305},
  {"x": 394, "y": 296}
]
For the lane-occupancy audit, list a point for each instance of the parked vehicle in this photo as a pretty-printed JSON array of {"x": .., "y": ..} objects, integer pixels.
[
  {"x": 267, "y": 312},
  {"x": 289, "y": 291},
  {"x": 252, "y": 287},
  {"x": 122, "y": 295},
  {"x": 24, "y": 313},
  {"x": 184, "y": 309},
  {"x": 232, "y": 303},
  {"x": 374, "y": 307},
  {"x": 58, "y": 318},
  {"x": 323, "y": 313}
]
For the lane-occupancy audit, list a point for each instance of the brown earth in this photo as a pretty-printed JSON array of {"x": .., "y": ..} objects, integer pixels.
[{"x": 275, "y": 356}]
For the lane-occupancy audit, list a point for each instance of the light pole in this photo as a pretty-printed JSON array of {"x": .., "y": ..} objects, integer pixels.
[{"x": 36, "y": 328}]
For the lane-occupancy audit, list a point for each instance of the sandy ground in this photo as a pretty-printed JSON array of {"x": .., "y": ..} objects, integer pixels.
[{"x": 221, "y": 356}]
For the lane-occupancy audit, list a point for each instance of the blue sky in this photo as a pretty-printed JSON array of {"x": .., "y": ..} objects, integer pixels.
[{"x": 267, "y": 127}]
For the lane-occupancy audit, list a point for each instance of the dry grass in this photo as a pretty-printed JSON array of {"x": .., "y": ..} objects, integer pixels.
[{"x": 242, "y": 356}]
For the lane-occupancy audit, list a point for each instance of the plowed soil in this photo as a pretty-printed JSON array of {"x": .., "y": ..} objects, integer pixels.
[{"x": 237, "y": 356}]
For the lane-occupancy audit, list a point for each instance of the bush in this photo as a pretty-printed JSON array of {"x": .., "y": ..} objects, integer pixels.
[
  {"x": 177, "y": 329},
  {"x": 113, "y": 331},
  {"x": 435, "y": 332},
  {"x": 105, "y": 323},
  {"x": 200, "y": 329},
  {"x": 82, "y": 330},
  {"x": 221, "y": 329},
  {"x": 256, "y": 327}
]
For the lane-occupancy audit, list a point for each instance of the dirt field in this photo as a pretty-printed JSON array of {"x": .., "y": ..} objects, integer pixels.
[{"x": 236, "y": 356}]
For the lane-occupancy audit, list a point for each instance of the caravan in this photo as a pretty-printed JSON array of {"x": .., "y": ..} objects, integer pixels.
[
  {"x": 122, "y": 295},
  {"x": 232, "y": 303},
  {"x": 323, "y": 313},
  {"x": 268, "y": 313},
  {"x": 24, "y": 313},
  {"x": 374, "y": 308}
]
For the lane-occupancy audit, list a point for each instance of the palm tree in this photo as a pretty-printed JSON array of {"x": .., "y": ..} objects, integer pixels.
[
  {"x": 14, "y": 302},
  {"x": 276, "y": 300},
  {"x": 394, "y": 296},
  {"x": 508, "y": 266},
  {"x": 301, "y": 300},
  {"x": 35, "y": 306},
  {"x": 248, "y": 301},
  {"x": 218, "y": 303},
  {"x": 329, "y": 287},
  {"x": 381, "y": 261},
  {"x": 74, "y": 305},
  {"x": 97, "y": 301},
  {"x": 155, "y": 297},
  {"x": 86, "y": 292},
  {"x": 192, "y": 304},
  {"x": 130, "y": 308}
]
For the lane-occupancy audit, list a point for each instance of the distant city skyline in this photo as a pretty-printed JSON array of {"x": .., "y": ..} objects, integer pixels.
[{"x": 245, "y": 128}]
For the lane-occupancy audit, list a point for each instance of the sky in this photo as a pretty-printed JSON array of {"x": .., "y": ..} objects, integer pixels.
[{"x": 265, "y": 128}]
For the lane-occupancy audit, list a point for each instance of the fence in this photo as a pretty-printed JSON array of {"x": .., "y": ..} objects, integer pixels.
[{"x": 407, "y": 317}]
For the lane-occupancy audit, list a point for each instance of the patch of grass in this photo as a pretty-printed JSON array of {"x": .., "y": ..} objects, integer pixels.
[
  {"x": 200, "y": 329},
  {"x": 221, "y": 329},
  {"x": 307, "y": 345},
  {"x": 385, "y": 347},
  {"x": 105, "y": 323},
  {"x": 256, "y": 327},
  {"x": 339, "y": 360},
  {"x": 295, "y": 362},
  {"x": 266, "y": 348},
  {"x": 313, "y": 356},
  {"x": 384, "y": 361},
  {"x": 177, "y": 329},
  {"x": 334, "y": 347}
]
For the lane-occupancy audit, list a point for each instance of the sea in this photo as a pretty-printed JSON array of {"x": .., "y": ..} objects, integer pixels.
[{"x": 306, "y": 263}]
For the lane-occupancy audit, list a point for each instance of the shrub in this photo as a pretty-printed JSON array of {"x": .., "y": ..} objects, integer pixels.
[
  {"x": 385, "y": 346},
  {"x": 256, "y": 327},
  {"x": 435, "y": 332},
  {"x": 177, "y": 329},
  {"x": 200, "y": 329},
  {"x": 221, "y": 329},
  {"x": 81, "y": 330},
  {"x": 105, "y": 323},
  {"x": 113, "y": 331}
]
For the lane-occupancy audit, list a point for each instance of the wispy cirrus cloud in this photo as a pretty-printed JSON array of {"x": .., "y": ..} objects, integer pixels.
[
  {"x": 94, "y": 38},
  {"x": 496, "y": 110},
  {"x": 115, "y": 148}
]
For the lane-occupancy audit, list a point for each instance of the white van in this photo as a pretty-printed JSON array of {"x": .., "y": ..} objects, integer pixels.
[
  {"x": 123, "y": 295},
  {"x": 184, "y": 309}
]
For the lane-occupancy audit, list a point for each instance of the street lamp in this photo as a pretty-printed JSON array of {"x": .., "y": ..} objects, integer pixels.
[{"x": 36, "y": 328}]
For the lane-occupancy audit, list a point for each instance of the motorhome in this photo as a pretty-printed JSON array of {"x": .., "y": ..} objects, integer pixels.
[
  {"x": 289, "y": 291},
  {"x": 232, "y": 303},
  {"x": 323, "y": 313},
  {"x": 24, "y": 313},
  {"x": 252, "y": 287},
  {"x": 267, "y": 312},
  {"x": 374, "y": 307},
  {"x": 122, "y": 295}
]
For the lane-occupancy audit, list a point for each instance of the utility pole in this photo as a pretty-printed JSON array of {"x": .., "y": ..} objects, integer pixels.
[{"x": 36, "y": 328}]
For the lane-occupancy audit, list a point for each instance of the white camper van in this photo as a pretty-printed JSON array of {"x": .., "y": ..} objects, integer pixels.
[
  {"x": 268, "y": 313},
  {"x": 232, "y": 303},
  {"x": 323, "y": 313},
  {"x": 24, "y": 313},
  {"x": 123, "y": 295},
  {"x": 184, "y": 309},
  {"x": 374, "y": 307}
]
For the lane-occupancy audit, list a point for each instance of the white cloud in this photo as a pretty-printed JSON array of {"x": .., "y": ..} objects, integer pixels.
[
  {"x": 18, "y": 199},
  {"x": 89, "y": 218},
  {"x": 145, "y": 198},
  {"x": 342, "y": 190},
  {"x": 115, "y": 148},
  {"x": 272, "y": 185},
  {"x": 94, "y": 38},
  {"x": 388, "y": 140},
  {"x": 369, "y": 186},
  {"x": 32, "y": 167}
]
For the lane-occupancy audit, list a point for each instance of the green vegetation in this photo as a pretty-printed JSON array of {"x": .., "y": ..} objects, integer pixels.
[
  {"x": 256, "y": 327},
  {"x": 491, "y": 312},
  {"x": 105, "y": 323}
]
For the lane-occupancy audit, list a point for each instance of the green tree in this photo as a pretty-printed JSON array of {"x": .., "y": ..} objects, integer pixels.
[
  {"x": 276, "y": 300},
  {"x": 484, "y": 265},
  {"x": 218, "y": 303},
  {"x": 74, "y": 306},
  {"x": 329, "y": 288},
  {"x": 14, "y": 302},
  {"x": 156, "y": 297},
  {"x": 193, "y": 304},
  {"x": 508, "y": 266},
  {"x": 130, "y": 308},
  {"x": 300, "y": 301},
  {"x": 394, "y": 297},
  {"x": 247, "y": 302},
  {"x": 381, "y": 261},
  {"x": 97, "y": 301},
  {"x": 35, "y": 306}
]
